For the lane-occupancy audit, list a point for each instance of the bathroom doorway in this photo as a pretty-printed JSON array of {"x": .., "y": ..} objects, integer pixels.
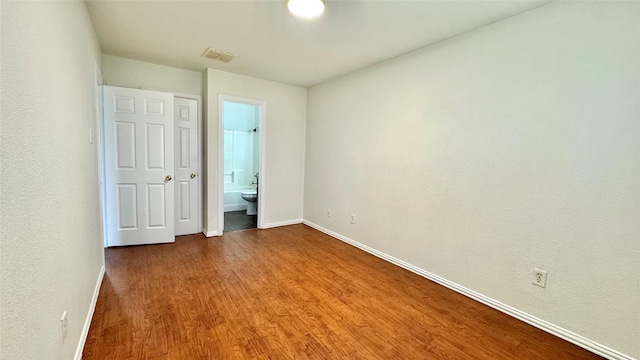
[{"x": 240, "y": 163}]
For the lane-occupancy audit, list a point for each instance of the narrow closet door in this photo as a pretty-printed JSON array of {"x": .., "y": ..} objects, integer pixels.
[{"x": 186, "y": 166}]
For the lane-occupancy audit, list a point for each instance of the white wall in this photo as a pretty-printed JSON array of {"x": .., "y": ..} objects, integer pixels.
[
  {"x": 124, "y": 72},
  {"x": 284, "y": 158},
  {"x": 50, "y": 233},
  {"x": 511, "y": 147}
]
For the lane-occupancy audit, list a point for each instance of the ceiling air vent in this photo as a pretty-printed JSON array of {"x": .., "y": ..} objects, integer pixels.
[{"x": 219, "y": 55}]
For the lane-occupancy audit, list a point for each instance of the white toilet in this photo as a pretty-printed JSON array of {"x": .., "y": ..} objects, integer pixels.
[{"x": 252, "y": 197}]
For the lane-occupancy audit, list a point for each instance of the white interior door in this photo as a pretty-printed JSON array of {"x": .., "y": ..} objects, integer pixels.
[
  {"x": 186, "y": 166},
  {"x": 139, "y": 164}
]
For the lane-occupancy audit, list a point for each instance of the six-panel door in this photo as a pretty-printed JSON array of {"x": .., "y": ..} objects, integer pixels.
[
  {"x": 139, "y": 166},
  {"x": 186, "y": 166}
]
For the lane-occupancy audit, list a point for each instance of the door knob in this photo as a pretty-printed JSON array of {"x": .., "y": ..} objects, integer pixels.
[
  {"x": 193, "y": 175},
  {"x": 168, "y": 178}
]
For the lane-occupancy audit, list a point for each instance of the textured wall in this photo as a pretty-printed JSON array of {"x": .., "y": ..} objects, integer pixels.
[
  {"x": 511, "y": 147},
  {"x": 285, "y": 118},
  {"x": 50, "y": 233},
  {"x": 123, "y": 72}
]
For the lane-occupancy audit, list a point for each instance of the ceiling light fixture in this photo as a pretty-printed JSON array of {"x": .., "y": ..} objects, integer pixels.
[{"x": 307, "y": 9}]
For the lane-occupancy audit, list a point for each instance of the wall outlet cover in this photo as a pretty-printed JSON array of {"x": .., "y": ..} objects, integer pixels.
[{"x": 539, "y": 278}]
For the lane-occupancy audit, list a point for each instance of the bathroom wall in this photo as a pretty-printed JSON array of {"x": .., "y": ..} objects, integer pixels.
[
  {"x": 511, "y": 147},
  {"x": 282, "y": 182},
  {"x": 233, "y": 201},
  {"x": 238, "y": 159},
  {"x": 240, "y": 141}
]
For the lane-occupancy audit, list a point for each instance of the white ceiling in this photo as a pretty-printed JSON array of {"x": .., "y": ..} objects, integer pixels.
[{"x": 274, "y": 45}]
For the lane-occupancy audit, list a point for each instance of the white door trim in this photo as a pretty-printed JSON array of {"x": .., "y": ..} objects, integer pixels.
[
  {"x": 197, "y": 98},
  {"x": 262, "y": 105},
  {"x": 98, "y": 137}
]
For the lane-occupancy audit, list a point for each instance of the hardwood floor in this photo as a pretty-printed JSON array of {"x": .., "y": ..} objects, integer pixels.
[{"x": 292, "y": 293}]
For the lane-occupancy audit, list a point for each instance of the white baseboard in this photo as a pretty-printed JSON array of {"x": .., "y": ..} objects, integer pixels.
[
  {"x": 281, "y": 223},
  {"x": 558, "y": 331},
  {"x": 87, "y": 322},
  {"x": 210, "y": 233}
]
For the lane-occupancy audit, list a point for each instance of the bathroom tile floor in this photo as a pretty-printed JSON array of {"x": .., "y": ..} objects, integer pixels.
[{"x": 239, "y": 220}]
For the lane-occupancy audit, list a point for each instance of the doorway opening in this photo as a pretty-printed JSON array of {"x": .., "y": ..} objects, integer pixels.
[{"x": 241, "y": 165}]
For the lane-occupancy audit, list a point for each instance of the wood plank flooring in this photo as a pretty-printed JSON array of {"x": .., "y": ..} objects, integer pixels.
[{"x": 292, "y": 293}]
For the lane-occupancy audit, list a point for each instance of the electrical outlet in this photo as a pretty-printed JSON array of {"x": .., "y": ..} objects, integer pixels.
[
  {"x": 353, "y": 218},
  {"x": 539, "y": 278},
  {"x": 328, "y": 212},
  {"x": 63, "y": 325}
]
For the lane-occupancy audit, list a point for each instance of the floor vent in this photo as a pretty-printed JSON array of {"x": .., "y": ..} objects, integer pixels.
[{"x": 219, "y": 55}]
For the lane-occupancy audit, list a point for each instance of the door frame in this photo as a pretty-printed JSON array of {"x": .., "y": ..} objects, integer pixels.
[
  {"x": 200, "y": 137},
  {"x": 262, "y": 122},
  {"x": 98, "y": 137}
]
